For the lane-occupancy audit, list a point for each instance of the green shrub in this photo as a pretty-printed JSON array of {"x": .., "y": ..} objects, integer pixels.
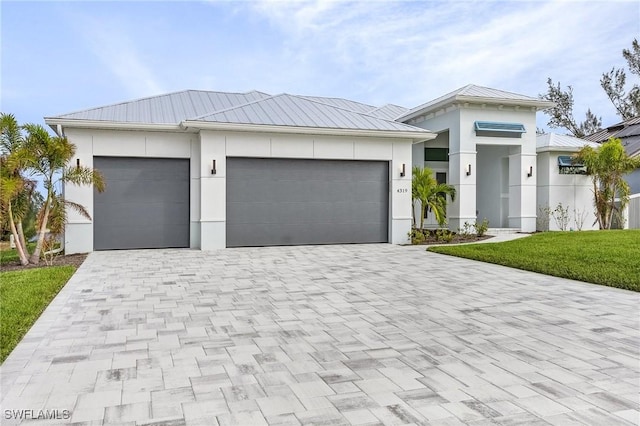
[
  {"x": 444, "y": 235},
  {"x": 417, "y": 236},
  {"x": 482, "y": 227}
]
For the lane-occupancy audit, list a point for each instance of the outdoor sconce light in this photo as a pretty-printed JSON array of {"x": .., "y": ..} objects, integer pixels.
[
  {"x": 77, "y": 163},
  {"x": 213, "y": 167},
  {"x": 530, "y": 173},
  {"x": 403, "y": 173},
  {"x": 468, "y": 170}
]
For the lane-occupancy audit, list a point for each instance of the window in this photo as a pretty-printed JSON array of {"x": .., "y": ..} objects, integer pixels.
[
  {"x": 568, "y": 165},
  {"x": 499, "y": 129},
  {"x": 436, "y": 154}
]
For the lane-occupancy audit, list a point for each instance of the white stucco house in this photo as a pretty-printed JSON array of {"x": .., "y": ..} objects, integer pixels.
[
  {"x": 486, "y": 148},
  {"x": 210, "y": 170}
]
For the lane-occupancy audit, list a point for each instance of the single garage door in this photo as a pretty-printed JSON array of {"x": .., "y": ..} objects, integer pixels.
[
  {"x": 145, "y": 204},
  {"x": 294, "y": 202}
]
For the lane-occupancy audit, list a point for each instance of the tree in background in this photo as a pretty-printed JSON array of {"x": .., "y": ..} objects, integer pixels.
[
  {"x": 561, "y": 115},
  {"x": 431, "y": 194},
  {"x": 607, "y": 165},
  {"x": 614, "y": 82},
  {"x": 29, "y": 152},
  {"x": 627, "y": 104}
]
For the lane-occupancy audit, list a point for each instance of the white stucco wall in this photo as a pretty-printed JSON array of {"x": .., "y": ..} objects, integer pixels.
[
  {"x": 208, "y": 191},
  {"x": 573, "y": 191}
]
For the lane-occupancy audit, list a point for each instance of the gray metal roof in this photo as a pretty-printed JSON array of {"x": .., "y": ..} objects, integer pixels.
[
  {"x": 342, "y": 103},
  {"x": 472, "y": 92},
  {"x": 550, "y": 141},
  {"x": 628, "y": 131},
  {"x": 171, "y": 108},
  {"x": 298, "y": 111},
  {"x": 388, "y": 111}
]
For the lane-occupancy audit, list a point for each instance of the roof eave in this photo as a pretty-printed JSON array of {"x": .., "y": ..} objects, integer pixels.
[
  {"x": 558, "y": 149},
  {"x": 415, "y": 136},
  {"x": 54, "y": 123}
]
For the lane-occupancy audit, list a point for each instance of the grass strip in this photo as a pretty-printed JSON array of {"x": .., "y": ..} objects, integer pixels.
[{"x": 610, "y": 258}]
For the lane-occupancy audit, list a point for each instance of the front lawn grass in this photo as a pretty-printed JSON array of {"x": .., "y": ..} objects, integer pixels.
[
  {"x": 24, "y": 295},
  {"x": 8, "y": 255},
  {"x": 609, "y": 258}
]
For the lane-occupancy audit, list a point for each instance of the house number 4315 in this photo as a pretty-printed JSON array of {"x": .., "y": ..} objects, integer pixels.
[{"x": 402, "y": 190}]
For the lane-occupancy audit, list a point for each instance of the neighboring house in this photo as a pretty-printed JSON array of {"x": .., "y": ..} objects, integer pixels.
[
  {"x": 563, "y": 183},
  {"x": 211, "y": 170},
  {"x": 486, "y": 148},
  {"x": 628, "y": 132}
]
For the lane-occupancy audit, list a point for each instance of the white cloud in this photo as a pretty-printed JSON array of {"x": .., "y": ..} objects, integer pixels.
[
  {"x": 409, "y": 52},
  {"x": 111, "y": 43}
]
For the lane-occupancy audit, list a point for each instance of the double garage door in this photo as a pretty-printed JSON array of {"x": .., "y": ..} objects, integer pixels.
[{"x": 269, "y": 202}]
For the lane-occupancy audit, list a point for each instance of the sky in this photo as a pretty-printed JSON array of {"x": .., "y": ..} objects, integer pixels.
[{"x": 59, "y": 57}]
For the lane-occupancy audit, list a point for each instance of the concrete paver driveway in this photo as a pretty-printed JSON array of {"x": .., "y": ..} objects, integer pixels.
[{"x": 362, "y": 334}]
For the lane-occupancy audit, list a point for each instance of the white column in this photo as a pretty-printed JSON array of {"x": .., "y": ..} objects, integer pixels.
[
  {"x": 400, "y": 193},
  {"x": 462, "y": 175},
  {"x": 212, "y": 191},
  {"x": 522, "y": 189}
]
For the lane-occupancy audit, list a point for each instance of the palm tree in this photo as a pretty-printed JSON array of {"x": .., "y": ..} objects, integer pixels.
[
  {"x": 607, "y": 165},
  {"x": 431, "y": 194},
  {"x": 15, "y": 190},
  {"x": 48, "y": 157}
]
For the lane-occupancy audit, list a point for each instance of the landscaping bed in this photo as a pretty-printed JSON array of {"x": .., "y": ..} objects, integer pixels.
[
  {"x": 10, "y": 262},
  {"x": 444, "y": 236}
]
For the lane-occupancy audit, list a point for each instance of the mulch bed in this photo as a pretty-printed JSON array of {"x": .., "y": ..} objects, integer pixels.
[
  {"x": 432, "y": 238},
  {"x": 72, "y": 259}
]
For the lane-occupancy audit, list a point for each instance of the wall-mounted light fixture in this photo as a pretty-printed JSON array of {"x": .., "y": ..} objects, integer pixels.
[
  {"x": 77, "y": 163},
  {"x": 468, "y": 170},
  {"x": 402, "y": 172},
  {"x": 213, "y": 167},
  {"x": 530, "y": 172}
]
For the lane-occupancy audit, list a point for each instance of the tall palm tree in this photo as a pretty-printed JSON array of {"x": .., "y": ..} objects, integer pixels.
[
  {"x": 607, "y": 165},
  {"x": 49, "y": 157},
  {"x": 15, "y": 189},
  {"x": 431, "y": 194}
]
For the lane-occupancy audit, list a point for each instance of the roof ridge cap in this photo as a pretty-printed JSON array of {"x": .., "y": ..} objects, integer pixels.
[
  {"x": 234, "y": 107},
  {"x": 352, "y": 111}
]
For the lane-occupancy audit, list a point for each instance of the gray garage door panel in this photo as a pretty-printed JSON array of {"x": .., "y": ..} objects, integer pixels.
[
  {"x": 145, "y": 205},
  {"x": 295, "y": 202}
]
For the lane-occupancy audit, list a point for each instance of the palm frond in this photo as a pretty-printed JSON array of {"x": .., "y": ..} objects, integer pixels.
[
  {"x": 80, "y": 175},
  {"x": 79, "y": 208},
  {"x": 10, "y": 134}
]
